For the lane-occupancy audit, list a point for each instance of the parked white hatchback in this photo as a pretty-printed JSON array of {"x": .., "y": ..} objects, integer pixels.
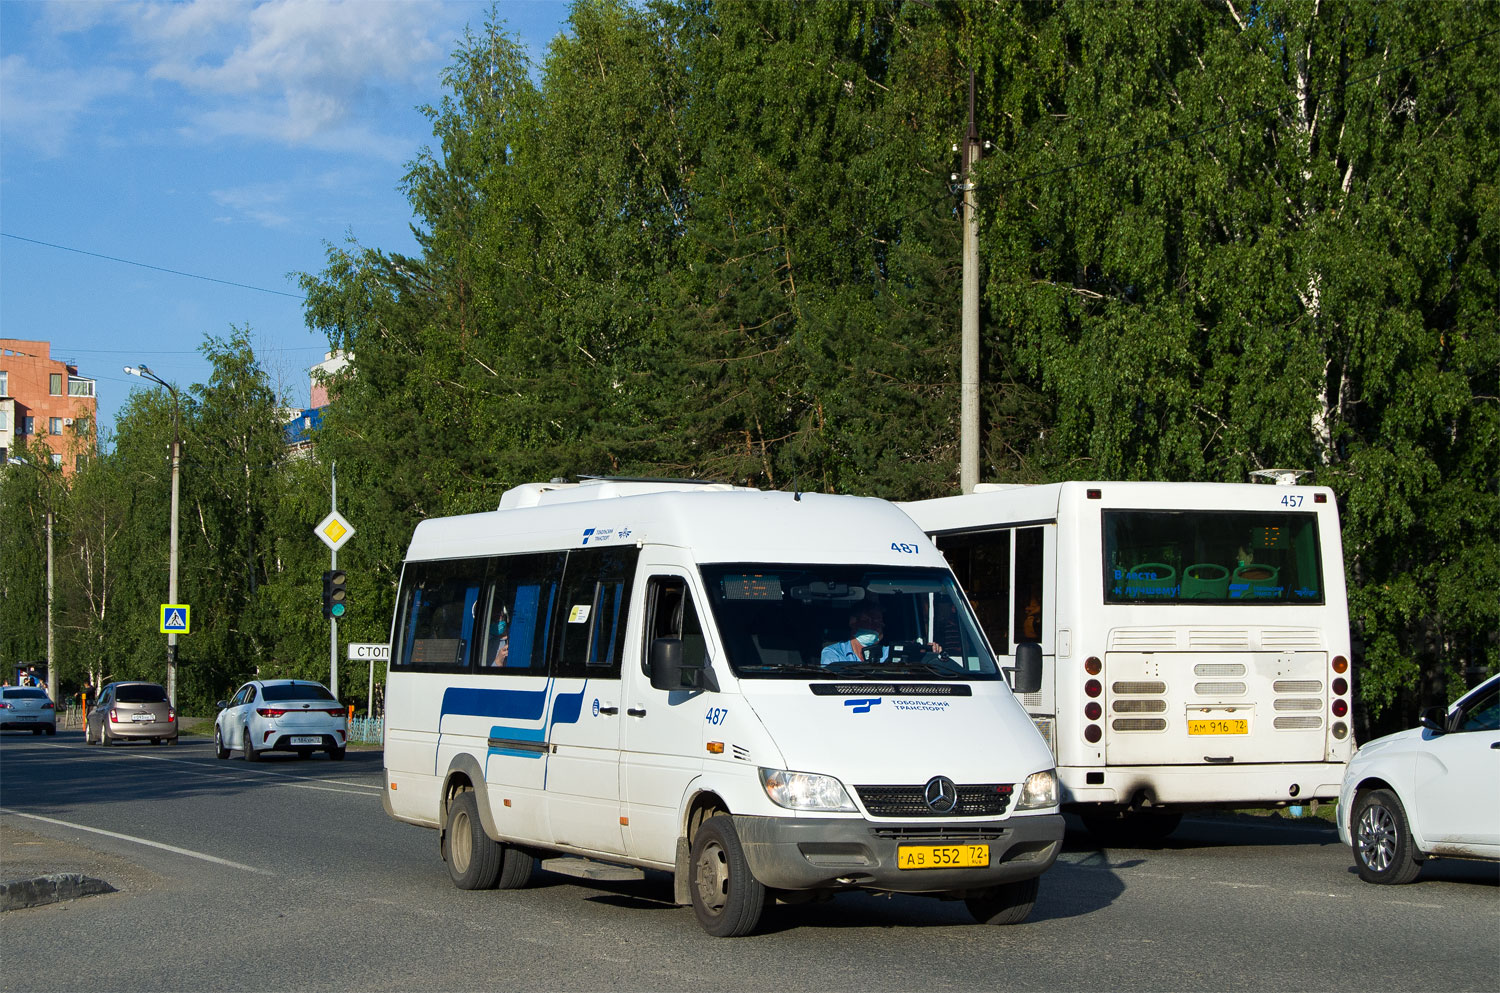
[
  {"x": 1433, "y": 790},
  {"x": 286, "y": 715}
]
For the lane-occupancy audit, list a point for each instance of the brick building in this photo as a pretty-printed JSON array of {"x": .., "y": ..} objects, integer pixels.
[{"x": 44, "y": 401}]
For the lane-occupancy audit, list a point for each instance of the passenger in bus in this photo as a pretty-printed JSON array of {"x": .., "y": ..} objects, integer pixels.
[{"x": 500, "y": 638}]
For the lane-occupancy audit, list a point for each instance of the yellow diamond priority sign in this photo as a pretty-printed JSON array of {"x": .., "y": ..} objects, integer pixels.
[{"x": 334, "y": 530}]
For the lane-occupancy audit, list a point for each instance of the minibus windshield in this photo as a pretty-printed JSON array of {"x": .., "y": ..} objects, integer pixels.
[{"x": 845, "y": 622}]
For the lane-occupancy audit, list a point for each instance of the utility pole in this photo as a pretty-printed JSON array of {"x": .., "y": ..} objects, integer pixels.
[
  {"x": 51, "y": 516},
  {"x": 145, "y": 373},
  {"x": 333, "y": 564},
  {"x": 968, "y": 447}
]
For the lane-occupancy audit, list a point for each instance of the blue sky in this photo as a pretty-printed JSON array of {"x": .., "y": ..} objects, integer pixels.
[{"x": 226, "y": 140}]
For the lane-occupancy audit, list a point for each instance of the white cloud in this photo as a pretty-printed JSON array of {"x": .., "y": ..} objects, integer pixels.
[
  {"x": 302, "y": 72},
  {"x": 41, "y": 106}
]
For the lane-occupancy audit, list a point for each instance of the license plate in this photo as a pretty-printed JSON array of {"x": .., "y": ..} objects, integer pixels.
[
  {"x": 1236, "y": 725},
  {"x": 942, "y": 856},
  {"x": 141, "y": 718},
  {"x": 307, "y": 739}
]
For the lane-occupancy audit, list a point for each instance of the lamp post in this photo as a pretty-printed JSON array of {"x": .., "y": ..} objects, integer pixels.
[
  {"x": 146, "y": 373},
  {"x": 51, "y": 660}
]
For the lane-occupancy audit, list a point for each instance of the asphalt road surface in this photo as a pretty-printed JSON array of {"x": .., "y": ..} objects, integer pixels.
[{"x": 287, "y": 875}]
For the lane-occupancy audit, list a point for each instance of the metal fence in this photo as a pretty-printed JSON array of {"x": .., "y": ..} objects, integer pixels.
[{"x": 369, "y": 730}]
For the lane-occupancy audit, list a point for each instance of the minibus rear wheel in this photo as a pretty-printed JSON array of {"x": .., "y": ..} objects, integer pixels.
[
  {"x": 473, "y": 858},
  {"x": 727, "y": 899}
]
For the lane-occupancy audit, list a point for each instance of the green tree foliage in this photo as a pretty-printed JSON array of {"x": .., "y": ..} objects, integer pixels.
[{"x": 720, "y": 239}]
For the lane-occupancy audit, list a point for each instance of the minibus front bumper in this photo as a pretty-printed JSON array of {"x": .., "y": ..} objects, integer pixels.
[{"x": 810, "y": 853}]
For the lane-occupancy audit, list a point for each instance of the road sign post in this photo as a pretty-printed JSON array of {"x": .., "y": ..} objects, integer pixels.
[{"x": 372, "y": 653}]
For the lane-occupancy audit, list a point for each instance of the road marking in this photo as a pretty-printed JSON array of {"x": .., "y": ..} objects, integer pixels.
[
  {"x": 141, "y": 841},
  {"x": 368, "y": 790}
]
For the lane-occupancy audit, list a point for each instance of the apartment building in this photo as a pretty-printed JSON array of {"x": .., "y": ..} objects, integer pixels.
[{"x": 44, "y": 401}]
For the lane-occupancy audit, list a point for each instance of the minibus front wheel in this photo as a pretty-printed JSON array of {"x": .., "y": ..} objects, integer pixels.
[
  {"x": 1010, "y": 903},
  {"x": 727, "y": 899}
]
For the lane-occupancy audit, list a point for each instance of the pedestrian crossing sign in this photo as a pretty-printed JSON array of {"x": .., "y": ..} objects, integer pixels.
[{"x": 176, "y": 618}]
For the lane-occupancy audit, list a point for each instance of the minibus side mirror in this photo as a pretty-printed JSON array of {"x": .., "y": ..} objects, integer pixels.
[
  {"x": 1434, "y": 719},
  {"x": 1026, "y": 677},
  {"x": 668, "y": 672}
]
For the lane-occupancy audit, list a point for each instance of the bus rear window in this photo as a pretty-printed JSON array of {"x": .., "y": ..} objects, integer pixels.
[{"x": 1154, "y": 556}]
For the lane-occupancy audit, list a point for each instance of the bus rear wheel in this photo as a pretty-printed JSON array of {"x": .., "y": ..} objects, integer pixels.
[{"x": 473, "y": 857}]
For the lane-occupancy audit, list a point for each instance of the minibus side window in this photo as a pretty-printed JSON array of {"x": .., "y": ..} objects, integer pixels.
[
  {"x": 517, "y": 609},
  {"x": 981, "y": 561},
  {"x": 671, "y": 614},
  {"x": 440, "y": 607},
  {"x": 592, "y": 612}
]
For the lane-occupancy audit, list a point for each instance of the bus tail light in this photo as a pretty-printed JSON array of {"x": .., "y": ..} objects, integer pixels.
[
  {"x": 1340, "y": 708},
  {"x": 1093, "y": 666},
  {"x": 1093, "y": 687},
  {"x": 1340, "y": 664},
  {"x": 1093, "y": 710},
  {"x": 1340, "y": 686},
  {"x": 1092, "y": 733}
]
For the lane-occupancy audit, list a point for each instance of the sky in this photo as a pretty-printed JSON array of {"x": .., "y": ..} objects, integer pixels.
[{"x": 167, "y": 168}]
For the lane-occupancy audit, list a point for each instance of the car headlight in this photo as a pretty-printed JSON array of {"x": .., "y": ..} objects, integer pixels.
[
  {"x": 805, "y": 790},
  {"x": 1039, "y": 790}
]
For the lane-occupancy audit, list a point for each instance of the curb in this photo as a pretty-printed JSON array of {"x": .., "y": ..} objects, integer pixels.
[{"x": 18, "y": 894}]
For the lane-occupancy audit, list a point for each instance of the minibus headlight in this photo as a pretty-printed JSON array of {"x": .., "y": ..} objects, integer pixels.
[
  {"x": 1040, "y": 790},
  {"x": 805, "y": 790}
]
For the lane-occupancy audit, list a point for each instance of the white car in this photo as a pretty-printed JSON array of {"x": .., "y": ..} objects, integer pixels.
[
  {"x": 1433, "y": 790},
  {"x": 286, "y": 715},
  {"x": 27, "y": 708}
]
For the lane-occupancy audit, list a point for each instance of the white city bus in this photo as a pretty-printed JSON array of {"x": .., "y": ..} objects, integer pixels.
[
  {"x": 769, "y": 695},
  {"x": 1195, "y": 638}
]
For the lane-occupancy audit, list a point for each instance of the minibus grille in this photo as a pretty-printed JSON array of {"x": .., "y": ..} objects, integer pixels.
[{"x": 986, "y": 800}]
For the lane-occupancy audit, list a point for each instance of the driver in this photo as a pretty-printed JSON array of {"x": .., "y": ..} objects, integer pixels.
[{"x": 866, "y": 629}]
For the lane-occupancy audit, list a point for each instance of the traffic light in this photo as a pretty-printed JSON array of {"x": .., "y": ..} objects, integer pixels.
[{"x": 333, "y": 594}]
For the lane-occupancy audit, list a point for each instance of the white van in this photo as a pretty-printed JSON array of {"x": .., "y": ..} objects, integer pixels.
[{"x": 767, "y": 694}]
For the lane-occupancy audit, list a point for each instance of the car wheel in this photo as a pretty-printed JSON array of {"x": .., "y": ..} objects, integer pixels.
[
  {"x": 336, "y": 754},
  {"x": 1007, "y": 904},
  {"x": 220, "y": 752},
  {"x": 173, "y": 740},
  {"x": 473, "y": 857},
  {"x": 52, "y": 729},
  {"x": 1383, "y": 850},
  {"x": 727, "y": 899},
  {"x": 250, "y": 755},
  {"x": 86, "y": 739}
]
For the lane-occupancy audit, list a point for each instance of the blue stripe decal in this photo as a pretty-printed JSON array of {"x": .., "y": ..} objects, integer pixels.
[
  {"x": 514, "y": 705},
  {"x": 567, "y": 706},
  {"x": 516, "y": 734}
]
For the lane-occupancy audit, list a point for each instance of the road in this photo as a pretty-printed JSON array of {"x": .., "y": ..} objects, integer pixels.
[{"x": 287, "y": 875}]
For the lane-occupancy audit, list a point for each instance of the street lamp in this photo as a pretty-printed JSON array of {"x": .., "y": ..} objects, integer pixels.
[
  {"x": 146, "y": 373},
  {"x": 51, "y": 660}
]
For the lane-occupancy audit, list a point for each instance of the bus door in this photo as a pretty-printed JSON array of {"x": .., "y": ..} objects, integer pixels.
[
  {"x": 583, "y": 769},
  {"x": 1009, "y": 575},
  {"x": 665, "y": 730}
]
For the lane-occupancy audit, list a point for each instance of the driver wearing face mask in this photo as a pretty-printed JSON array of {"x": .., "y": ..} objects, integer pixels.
[{"x": 866, "y": 629}]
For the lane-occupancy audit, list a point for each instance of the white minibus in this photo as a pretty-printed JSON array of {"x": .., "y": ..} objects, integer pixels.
[
  {"x": 1195, "y": 638},
  {"x": 771, "y": 695}
]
